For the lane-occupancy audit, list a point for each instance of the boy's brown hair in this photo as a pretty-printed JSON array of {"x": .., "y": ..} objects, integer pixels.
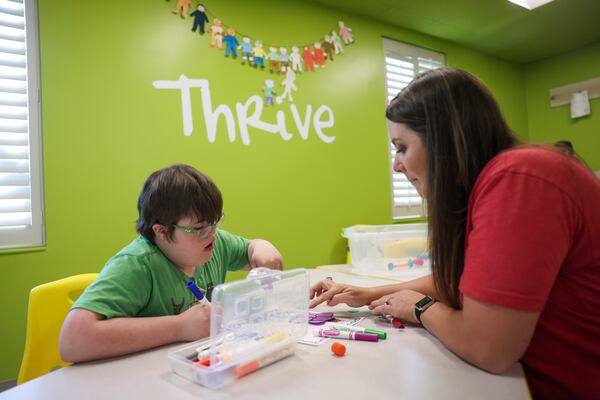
[{"x": 175, "y": 192}]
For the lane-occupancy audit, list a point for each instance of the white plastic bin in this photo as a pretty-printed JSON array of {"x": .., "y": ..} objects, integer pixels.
[
  {"x": 388, "y": 249},
  {"x": 254, "y": 323}
]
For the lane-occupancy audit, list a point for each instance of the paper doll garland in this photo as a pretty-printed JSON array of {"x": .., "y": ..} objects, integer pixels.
[{"x": 286, "y": 60}]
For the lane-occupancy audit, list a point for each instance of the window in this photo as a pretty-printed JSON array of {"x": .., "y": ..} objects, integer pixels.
[
  {"x": 402, "y": 63},
  {"x": 21, "y": 201}
]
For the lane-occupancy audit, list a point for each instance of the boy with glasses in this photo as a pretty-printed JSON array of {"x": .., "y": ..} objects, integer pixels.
[{"x": 141, "y": 299}]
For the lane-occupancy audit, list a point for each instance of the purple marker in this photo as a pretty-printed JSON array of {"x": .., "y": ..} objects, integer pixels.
[{"x": 368, "y": 337}]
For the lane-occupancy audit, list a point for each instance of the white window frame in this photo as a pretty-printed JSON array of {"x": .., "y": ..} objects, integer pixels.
[
  {"x": 21, "y": 218},
  {"x": 403, "y": 61}
]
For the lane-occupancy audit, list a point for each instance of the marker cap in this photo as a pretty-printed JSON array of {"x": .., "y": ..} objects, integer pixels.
[{"x": 382, "y": 335}]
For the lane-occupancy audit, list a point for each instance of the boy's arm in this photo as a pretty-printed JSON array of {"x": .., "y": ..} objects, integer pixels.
[
  {"x": 262, "y": 253},
  {"x": 86, "y": 335}
]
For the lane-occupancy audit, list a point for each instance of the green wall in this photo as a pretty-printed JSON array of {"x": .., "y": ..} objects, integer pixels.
[
  {"x": 105, "y": 128},
  {"x": 548, "y": 124}
]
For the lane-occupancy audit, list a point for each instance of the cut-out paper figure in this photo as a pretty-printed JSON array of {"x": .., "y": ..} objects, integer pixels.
[
  {"x": 217, "y": 34},
  {"x": 246, "y": 48},
  {"x": 284, "y": 59},
  {"x": 273, "y": 58},
  {"x": 328, "y": 47},
  {"x": 318, "y": 55},
  {"x": 231, "y": 43},
  {"x": 269, "y": 91},
  {"x": 182, "y": 6},
  {"x": 259, "y": 55},
  {"x": 345, "y": 33},
  {"x": 309, "y": 59},
  {"x": 289, "y": 85},
  {"x": 199, "y": 18},
  {"x": 296, "y": 59},
  {"x": 337, "y": 43}
]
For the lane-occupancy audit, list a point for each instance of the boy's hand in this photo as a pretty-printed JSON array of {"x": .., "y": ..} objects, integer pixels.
[
  {"x": 263, "y": 254},
  {"x": 194, "y": 323}
]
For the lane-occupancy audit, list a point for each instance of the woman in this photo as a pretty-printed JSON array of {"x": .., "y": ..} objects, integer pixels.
[{"x": 514, "y": 239}]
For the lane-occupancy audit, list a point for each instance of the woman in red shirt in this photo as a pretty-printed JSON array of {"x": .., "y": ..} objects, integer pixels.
[{"x": 514, "y": 237}]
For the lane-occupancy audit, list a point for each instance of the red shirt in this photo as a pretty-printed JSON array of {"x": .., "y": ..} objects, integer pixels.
[{"x": 533, "y": 243}]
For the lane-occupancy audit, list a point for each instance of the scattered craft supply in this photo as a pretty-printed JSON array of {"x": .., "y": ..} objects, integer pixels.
[
  {"x": 319, "y": 318},
  {"x": 338, "y": 349},
  {"x": 396, "y": 323}
]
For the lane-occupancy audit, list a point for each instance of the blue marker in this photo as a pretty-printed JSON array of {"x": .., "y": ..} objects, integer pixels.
[{"x": 197, "y": 292}]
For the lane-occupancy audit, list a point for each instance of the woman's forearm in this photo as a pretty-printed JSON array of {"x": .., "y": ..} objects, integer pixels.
[
  {"x": 488, "y": 336},
  {"x": 422, "y": 285}
]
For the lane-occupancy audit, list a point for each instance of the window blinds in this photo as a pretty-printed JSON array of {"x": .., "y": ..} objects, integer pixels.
[
  {"x": 402, "y": 63},
  {"x": 20, "y": 160}
]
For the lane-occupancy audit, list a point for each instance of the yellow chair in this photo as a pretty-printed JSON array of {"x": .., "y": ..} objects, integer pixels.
[{"x": 48, "y": 306}]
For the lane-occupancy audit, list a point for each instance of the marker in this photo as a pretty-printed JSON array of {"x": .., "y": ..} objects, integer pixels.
[
  {"x": 382, "y": 335},
  {"x": 248, "y": 346},
  {"x": 198, "y": 293},
  {"x": 204, "y": 350},
  {"x": 241, "y": 348},
  {"x": 204, "y": 361},
  {"x": 281, "y": 351},
  {"x": 208, "y": 345},
  {"x": 396, "y": 323},
  {"x": 367, "y": 337}
]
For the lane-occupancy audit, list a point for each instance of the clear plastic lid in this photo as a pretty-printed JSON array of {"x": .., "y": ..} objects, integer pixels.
[{"x": 267, "y": 308}]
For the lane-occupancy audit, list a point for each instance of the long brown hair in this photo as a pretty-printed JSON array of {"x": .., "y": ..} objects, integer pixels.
[{"x": 462, "y": 128}]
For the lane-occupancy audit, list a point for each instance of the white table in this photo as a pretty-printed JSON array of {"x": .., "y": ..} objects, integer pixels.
[
  {"x": 378, "y": 272},
  {"x": 410, "y": 364}
]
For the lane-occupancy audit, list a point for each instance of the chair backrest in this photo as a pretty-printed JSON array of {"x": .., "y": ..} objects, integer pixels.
[{"x": 48, "y": 306}]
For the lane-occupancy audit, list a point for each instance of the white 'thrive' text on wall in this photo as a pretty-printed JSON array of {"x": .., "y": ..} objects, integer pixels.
[{"x": 322, "y": 118}]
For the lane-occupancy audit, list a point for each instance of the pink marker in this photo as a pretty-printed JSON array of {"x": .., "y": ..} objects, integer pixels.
[{"x": 368, "y": 337}]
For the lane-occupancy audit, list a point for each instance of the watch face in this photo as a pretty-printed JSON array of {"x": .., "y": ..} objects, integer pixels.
[{"x": 423, "y": 302}]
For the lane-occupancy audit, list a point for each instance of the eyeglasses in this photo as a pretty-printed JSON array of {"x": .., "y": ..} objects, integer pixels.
[{"x": 202, "y": 233}]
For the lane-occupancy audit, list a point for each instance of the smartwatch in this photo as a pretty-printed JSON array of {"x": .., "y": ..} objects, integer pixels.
[{"x": 422, "y": 305}]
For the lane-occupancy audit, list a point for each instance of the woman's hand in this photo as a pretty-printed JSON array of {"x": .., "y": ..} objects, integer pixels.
[
  {"x": 400, "y": 305},
  {"x": 335, "y": 293}
]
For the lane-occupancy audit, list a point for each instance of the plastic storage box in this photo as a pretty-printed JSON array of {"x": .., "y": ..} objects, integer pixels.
[
  {"x": 254, "y": 322},
  {"x": 387, "y": 249}
]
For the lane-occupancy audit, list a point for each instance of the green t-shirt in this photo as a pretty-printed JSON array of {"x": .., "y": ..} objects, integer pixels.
[{"x": 139, "y": 281}]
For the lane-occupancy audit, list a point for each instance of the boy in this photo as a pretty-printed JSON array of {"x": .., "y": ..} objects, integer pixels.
[{"x": 141, "y": 300}]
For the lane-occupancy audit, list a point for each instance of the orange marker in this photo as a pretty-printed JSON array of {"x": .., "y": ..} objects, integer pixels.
[
  {"x": 279, "y": 352},
  {"x": 204, "y": 361},
  {"x": 338, "y": 349}
]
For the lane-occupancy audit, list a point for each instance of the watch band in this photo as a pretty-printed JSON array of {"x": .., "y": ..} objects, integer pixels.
[{"x": 422, "y": 305}]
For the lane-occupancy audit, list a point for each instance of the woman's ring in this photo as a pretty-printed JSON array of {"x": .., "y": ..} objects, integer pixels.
[{"x": 387, "y": 302}]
